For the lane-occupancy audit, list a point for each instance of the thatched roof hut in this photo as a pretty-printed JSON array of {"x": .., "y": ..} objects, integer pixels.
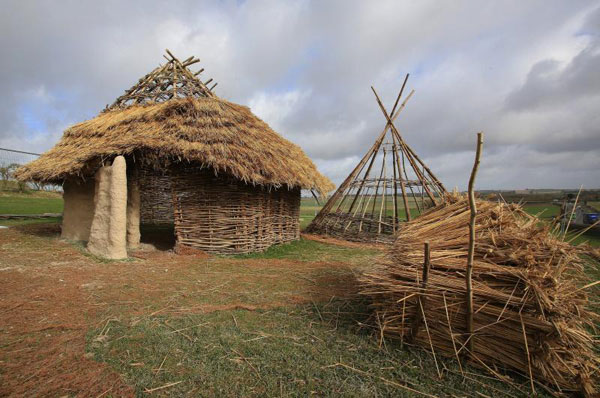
[
  {"x": 232, "y": 181},
  {"x": 211, "y": 132}
]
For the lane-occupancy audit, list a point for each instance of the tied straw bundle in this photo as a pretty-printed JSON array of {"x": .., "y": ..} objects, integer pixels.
[{"x": 530, "y": 305}]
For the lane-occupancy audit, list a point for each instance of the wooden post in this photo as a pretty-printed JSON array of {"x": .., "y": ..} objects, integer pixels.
[
  {"x": 412, "y": 192},
  {"x": 396, "y": 218},
  {"x": 402, "y": 185},
  {"x": 377, "y": 190},
  {"x": 471, "y": 253},
  {"x": 383, "y": 207},
  {"x": 572, "y": 212},
  {"x": 174, "y": 80},
  {"x": 315, "y": 196},
  {"x": 416, "y": 323}
]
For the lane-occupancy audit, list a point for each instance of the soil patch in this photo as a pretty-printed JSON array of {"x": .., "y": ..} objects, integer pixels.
[{"x": 53, "y": 293}]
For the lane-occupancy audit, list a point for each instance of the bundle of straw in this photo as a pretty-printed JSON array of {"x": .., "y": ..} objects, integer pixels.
[{"x": 530, "y": 308}]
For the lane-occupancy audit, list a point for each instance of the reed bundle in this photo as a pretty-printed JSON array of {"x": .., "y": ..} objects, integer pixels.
[{"x": 530, "y": 308}]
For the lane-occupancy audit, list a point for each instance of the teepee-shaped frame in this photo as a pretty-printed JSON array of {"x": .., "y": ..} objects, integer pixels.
[
  {"x": 371, "y": 203},
  {"x": 171, "y": 80}
]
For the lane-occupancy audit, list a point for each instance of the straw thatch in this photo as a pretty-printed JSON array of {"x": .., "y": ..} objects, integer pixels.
[
  {"x": 526, "y": 283},
  {"x": 207, "y": 131}
]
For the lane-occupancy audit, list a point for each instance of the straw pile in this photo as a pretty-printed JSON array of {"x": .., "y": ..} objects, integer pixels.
[
  {"x": 210, "y": 132},
  {"x": 526, "y": 283}
]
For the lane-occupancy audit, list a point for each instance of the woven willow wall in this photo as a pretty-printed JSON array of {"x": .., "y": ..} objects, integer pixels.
[
  {"x": 223, "y": 215},
  {"x": 155, "y": 195}
]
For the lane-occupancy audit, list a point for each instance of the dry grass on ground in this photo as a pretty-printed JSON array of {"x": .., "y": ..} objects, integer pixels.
[
  {"x": 285, "y": 322},
  {"x": 52, "y": 294}
]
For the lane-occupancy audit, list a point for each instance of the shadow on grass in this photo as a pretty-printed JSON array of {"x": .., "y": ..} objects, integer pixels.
[
  {"x": 43, "y": 228},
  {"x": 314, "y": 349},
  {"x": 309, "y": 250}
]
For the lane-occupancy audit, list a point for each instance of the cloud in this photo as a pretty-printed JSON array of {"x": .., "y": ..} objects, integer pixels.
[
  {"x": 276, "y": 108},
  {"x": 523, "y": 72}
]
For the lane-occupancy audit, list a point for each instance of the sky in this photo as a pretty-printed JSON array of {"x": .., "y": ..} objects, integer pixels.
[{"x": 526, "y": 73}]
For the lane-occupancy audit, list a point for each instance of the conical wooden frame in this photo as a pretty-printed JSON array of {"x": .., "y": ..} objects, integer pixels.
[{"x": 389, "y": 185}]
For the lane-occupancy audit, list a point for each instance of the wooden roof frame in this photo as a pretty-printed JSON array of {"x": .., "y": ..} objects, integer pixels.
[{"x": 171, "y": 80}]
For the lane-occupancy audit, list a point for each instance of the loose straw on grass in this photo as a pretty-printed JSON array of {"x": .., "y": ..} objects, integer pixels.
[{"x": 520, "y": 270}]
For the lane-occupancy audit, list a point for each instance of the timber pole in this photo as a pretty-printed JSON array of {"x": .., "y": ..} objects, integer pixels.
[{"x": 471, "y": 252}]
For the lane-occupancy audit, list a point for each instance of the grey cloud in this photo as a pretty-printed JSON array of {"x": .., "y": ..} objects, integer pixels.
[
  {"x": 549, "y": 83},
  {"x": 474, "y": 66}
]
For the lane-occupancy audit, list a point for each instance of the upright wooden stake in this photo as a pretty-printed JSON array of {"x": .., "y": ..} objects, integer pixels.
[
  {"x": 383, "y": 206},
  {"x": 471, "y": 252},
  {"x": 315, "y": 196},
  {"x": 420, "y": 312},
  {"x": 396, "y": 218},
  {"x": 402, "y": 185},
  {"x": 174, "y": 80},
  {"x": 377, "y": 190},
  {"x": 572, "y": 212},
  {"x": 412, "y": 192}
]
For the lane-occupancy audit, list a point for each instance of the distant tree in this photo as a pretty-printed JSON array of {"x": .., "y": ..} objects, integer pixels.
[{"x": 7, "y": 173}]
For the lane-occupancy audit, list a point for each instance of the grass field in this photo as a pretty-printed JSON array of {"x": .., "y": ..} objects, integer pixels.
[
  {"x": 285, "y": 322},
  {"x": 35, "y": 202}
]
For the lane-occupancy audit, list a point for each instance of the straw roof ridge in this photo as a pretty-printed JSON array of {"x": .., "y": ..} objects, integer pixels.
[{"x": 210, "y": 131}]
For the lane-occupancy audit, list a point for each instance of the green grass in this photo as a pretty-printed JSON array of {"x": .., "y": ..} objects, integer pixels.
[
  {"x": 50, "y": 220},
  {"x": 592, "y": 237},
  {"x": 308, "y": 250},
  {"x": 544, "y": 211},
  {"x": 309, "y": 350},
  {"x": 309, "y": 209},
  {"x": 22, "y": 204}
]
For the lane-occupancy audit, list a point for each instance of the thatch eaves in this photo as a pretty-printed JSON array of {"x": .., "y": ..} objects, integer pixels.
[{"x": 206, "y": 130}]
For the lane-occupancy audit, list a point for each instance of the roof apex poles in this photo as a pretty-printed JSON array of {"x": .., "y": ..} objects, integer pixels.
[
  {"x": 165, "y": 82},
  {"x": 359, "y": 209}
]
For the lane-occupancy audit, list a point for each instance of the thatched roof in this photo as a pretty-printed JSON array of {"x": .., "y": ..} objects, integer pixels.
[{"x": 206, "y": 130}]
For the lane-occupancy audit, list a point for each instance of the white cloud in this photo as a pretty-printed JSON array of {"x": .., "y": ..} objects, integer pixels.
[
  {"x": 524, "y": 72},
  {"x": 276, "y": 107}
]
